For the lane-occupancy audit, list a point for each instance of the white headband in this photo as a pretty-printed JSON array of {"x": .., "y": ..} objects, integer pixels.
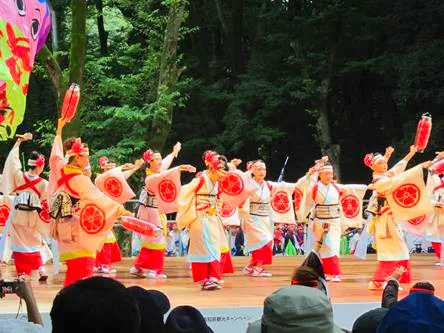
[{"x": 326, "y": 168}]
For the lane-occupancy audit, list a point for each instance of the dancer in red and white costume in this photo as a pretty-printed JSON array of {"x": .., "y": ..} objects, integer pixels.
[
  {"x": 256, "y": 222},
  {"x": 326, "y": 195},
  {"x": 197, "y": 212},
  {"x": 82, "y": 214},
  {"x": 114, "y": 185},
  {"x": 152, "y": 252},
  {"x": 392, "y": 251},
  {"x": 26, "y": 239},
  {"x": 435, "y": 228}
]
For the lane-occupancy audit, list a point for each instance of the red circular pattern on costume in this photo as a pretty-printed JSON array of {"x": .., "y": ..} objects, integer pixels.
[
  {"x": 4, "y": 214},
  {"x": 417, "y": 220},
  {"x": 298, "y": 195},
  {"x": 167, "y": 190},
  {"x": 232, "y": 184},
  {"x": 226, "y": 211},
  {"x": 407, "y": 195},
  {"x": 92, "y": 219},
  {"x": 113, "y": 187},
  {"x": 280, "y": 202},
  {"x": 44, "y": 213},
  {"x": 350, "y": 206}
]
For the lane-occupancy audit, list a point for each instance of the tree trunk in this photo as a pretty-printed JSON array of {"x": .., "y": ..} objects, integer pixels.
[
  {"x": 77, "y": 55},
  {"x": 103, "y": 34},
  {"x": 328, "y": 147},
  {"x": 54, "y": 71},
  {"x": 237, "y": 45},
  {"x": 168, "y": 77},
  {"x": 201, "y": 41}
]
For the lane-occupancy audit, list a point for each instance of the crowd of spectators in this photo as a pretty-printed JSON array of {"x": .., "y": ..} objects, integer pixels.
[{"x": 288, "y": 241}]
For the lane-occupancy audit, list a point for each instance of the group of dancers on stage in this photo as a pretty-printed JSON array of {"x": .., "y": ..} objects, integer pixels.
[{"x": 77, "y": 215}]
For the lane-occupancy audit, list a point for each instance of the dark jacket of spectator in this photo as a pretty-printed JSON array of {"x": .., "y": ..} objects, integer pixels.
[
  {"x": 418, "y": 312},
  {"x": 239, "y": 243}
]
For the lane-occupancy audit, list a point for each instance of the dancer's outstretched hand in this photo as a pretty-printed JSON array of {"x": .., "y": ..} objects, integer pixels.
[
  {"x": 187, "y": 168},
  {"x": 138, "y": 163},
  {"x": 128, "y": 166},
  {"x": 24, "y": 137},
  {"x": 427, "y": 164},
  {"x": 236, "y": 161},
  {"x": 176, "y": 149},
  {"x": 388, "y": 152},
  {"x": 439, "y": 155},
  {"x": 311, "y": 171},
  {"x": 60, "y": 124}
]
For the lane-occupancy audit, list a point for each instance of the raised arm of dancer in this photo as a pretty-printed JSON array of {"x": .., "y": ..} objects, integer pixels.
[
  {"x": 234, "y": 163},
  {"x": 439, "y": 155},
  {"x": 56, "y": 159},
  {"x": 411, "y": 153},
  {"x": 128, "y": 172},
  {"x": 388, "y": 152},
  {"x": 12, "y": 171},
  {"x": 166, "y": 162},
  {"x": 399, "y": 167}
]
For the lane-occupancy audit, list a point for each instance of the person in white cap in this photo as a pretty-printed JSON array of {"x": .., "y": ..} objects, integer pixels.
[{"x": 296, "y": 309}]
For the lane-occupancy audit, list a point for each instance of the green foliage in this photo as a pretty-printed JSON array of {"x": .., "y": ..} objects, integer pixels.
[
  {"x": 256, "y": 77},
  {"x": 121, "y": 95},
  {"x": 46, "y": 130}
]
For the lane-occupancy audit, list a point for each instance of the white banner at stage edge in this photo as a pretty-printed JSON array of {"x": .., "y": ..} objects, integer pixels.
[{"x": 235, "y": 320}]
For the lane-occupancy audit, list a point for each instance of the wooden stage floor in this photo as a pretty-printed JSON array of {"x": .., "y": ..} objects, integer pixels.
[{"x": 241, "y": 290}]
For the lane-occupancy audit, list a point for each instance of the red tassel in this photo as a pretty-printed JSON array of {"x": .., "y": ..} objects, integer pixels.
[
  {"x": 423, "y": 132},
  {"x": 70, "y": 102}
]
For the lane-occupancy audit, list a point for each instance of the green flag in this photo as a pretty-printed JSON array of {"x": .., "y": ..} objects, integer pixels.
[{"x": 290, "y": 250}]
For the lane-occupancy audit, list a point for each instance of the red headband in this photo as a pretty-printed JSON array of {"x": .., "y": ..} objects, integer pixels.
[
  {"x": 39, "y": 162},
  {"x": 103, "y": 160},
  {"x": 216, "y": 164},
  {"x": 149, "y": 155},
  {"x": 77, "y": 148},
  {"x": 209, "y": 156},
  {"x": 370, "y": 159}
]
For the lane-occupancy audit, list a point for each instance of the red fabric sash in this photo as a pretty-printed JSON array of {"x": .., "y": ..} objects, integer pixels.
[
  {"x": 439, "y": 186},
  {"x": 64, "y": 180},
  {"x": 29, "y": 184},
  {"x": 315, "y": 190}
]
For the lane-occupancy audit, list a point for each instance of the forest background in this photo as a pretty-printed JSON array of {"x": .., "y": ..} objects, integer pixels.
[{"x": 249, "y": 78}]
